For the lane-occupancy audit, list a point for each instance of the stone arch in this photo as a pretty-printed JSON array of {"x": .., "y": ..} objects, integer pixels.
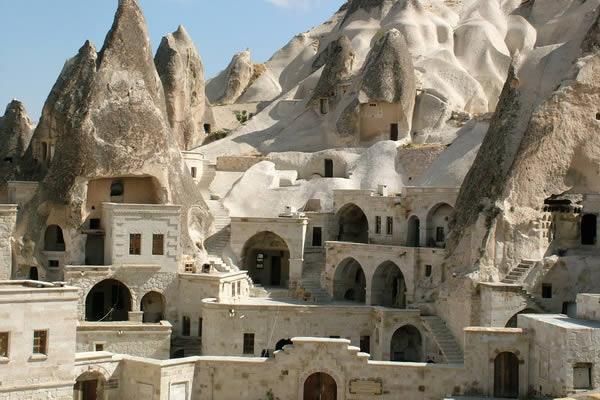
[
  {"x": 153, "y": 305},
  {"x": 349, "y": 281},
  {"x": 320, "y": 386},
  {"x": 117, "y": 191},
  {"x": 108, "y": 300},
  {"x": 282, "y": 343},
  {"x": 89, "y": 386},
  {"x": 54, "y": 239},
  {"x": 438, "y": 220},
  {"x": 388, "y": 287},
  {"x": 352, "y": 224},
  {"x": 506, "y": 375},
  {"x": 413, "y": 236},
  {"x": 512, "y": 322},
  {"x": 406, "y": 345},
  {"x": 266, "y": 257}
]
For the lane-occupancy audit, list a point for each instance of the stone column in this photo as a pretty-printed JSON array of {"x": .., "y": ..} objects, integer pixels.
[{"x": 136, "y": 316}]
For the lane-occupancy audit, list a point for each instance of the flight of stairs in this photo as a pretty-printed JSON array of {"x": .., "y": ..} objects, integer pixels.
[
  {"x": 314, "y": 263},
  {"x": 444, "y": 338},
  {"x": 216, "y": 244},
  {"x": 209, "y": 171},
  {"x": 518, "y": 273}
]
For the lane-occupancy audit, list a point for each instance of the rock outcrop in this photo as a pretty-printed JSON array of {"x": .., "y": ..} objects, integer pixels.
[
  {"x": 230, "y": 84},
  {"x": 338, "y": 59},
  {"x": 542, "y": 141},
  {"x": 106, "y": 118},
  {"x": 182, "y": 74},
  {"x": 16, "y": 129}
]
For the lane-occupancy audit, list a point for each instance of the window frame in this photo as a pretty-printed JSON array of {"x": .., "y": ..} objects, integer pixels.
[
  {"x": 43, "y": 341},
  {"x": 131, "y": 242},
  {"x": 316, "y": 235},
  {"x": 161, "y": 251},
  {"x": 6, "y": 354},
  {"x": 248, "y": 341},
  {"x": 378, "y": 225},
  {"x": 389, "y": 226}
]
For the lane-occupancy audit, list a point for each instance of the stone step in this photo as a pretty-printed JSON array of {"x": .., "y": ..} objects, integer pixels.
[{"x": 444, "y": 338}]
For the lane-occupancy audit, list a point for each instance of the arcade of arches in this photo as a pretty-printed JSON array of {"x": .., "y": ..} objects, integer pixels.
[
  {"x": 353, "y": 225},
  {"x": 109, "y": 300},
  {"x": 320, "y": 386},
  {"x": 266, "y": 257},
  {"x": 350, "y": 282}
]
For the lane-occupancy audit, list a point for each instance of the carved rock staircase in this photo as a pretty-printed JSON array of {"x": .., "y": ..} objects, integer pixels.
[
  {"x": 518, "y": 273},
  {"x": 444, "y": 338},
  {"x": 314, "y": 262}
]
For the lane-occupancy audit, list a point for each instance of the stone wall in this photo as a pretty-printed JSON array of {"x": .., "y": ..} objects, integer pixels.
[
  {"x": 238, "y": 163},
  {"x": 588, "y": 306},
  {"x": 8, "y": 220}
]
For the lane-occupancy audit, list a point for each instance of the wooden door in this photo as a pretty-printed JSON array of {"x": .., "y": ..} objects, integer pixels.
[
  {"x": 394, "y": 132},
  {"x": 506, "y": 376},
  {"x": 89, "y": 390},
  {"x": 320, "y": 386},
  {"x": 276, "y": 271}
]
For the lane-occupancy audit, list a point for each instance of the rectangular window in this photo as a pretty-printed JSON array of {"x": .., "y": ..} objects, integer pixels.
[
  {"x": 200, "y": 328},
  {"x": 232, "y": 289},
  {"x": 239, "y": 288},
  {"x": 4, "y": 344},
  {"x": 389, "y": 226},
  {"x": 365, "y": 344},
  {"x": 40, "y": 342},
  {"x": 53, "y": 263},
  {"x": 440, "y": 234},
  {"x": 194, "y": 172},
  {"x": 335, "y": 337},
  {"x": 249, "y": 343},
  {"x": 158, "y": 245},
  {"x": 135, "y": 244},
  {"x": 378, "y": 225},
  {"x": 582, "y": 376},
  {"x": 189, "y": 268},
  {"x": 428, "y": 271},
  {"x": 95, "y": 223},
  {"x": 546, "y": 290},
  {"x": 186, "y": 326},
  {"x": 98, "y": 346},
  {"x": 317, "y": 236}
]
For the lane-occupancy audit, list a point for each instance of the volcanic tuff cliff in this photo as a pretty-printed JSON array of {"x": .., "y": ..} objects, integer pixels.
[
  {"x": 182, "y": 74},
  {"x": 16, "y": 129},
  {"x": 106, "y": 114}
]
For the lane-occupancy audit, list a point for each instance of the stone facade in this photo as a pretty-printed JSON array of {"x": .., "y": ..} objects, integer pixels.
[{"x": 8, "y": 220}]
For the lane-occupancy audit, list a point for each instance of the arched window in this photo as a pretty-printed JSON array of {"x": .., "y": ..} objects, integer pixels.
[
  {"x": 353, "y": 225},
  {"x": 117, "y": 191},
  {"x": 54, "y": 239},
  {"x": 153, "y": 307},
  {"x": 266, "y": 257}
]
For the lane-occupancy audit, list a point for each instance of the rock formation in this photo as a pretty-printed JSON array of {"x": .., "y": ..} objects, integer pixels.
[
  {"x": 182, "y": 74},
  {"x": 388, "y": 76},
  {"x": 338, "y": 59},
  {"x": 106, "y": 115},
  {"x": 542, "y": 142},
  {"x": 230, "y": 84},
  {"x": 15, "y": 134}
]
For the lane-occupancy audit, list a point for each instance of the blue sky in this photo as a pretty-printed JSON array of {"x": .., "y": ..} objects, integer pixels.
[{"x": 37, "y": 36}]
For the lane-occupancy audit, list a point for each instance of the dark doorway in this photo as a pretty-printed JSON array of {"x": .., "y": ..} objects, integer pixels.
[
  {"x": 394, "y": 132},
  {"x": 94, "y": 250},
  {"x": 320, "y": 386},
  {"x": 506, "y": 376},
  {"x": 207, "y": 128},
  {"x": 33, "y": 274},
  {"x": 276, "y": 271},
  {"x": 89, "y": 390},
  {"x": 414, "y": 232},
  {"x": 353, "y": 225},
  {"x": 588, "y": 229},
  {"x": 89, "y": 386},
  {"x": 282, "y": 343},
  {"x": 406, "y": 345},
  {"x": 54, "y": 239},
  {"x": 109, "y": 300},
  {"x": 328, "y": 168}
]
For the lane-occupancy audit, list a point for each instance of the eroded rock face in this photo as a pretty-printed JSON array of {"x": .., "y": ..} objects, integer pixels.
[
  {"x": 16, "y": 129},
  {"x": 338, "y": 59},
  {"x": 106, "y": 118},
  {"x": 182, "y": 74},
  {"x": 542, "y": 142},
  {"x": 230, "y": 84}
]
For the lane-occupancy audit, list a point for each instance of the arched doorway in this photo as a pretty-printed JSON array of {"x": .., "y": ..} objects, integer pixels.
[
  {"x": 266, "y": 257},
  {"x": 506, "y": 375},
  {"x": 353, "y": 225},
  {"x": 406, "y": 345},
  {"x": 33, "y": 274},
  {"x": 320, "y": 386},
  {"x": 89, "y": 386},
  {"x": 438, "y": 220},
  {"x": 117, "y": 191},
  {"x": 512, "y": 322},
  {"x": 414, "y": 232},
  {"x": 282, "y": 343},
  {"x": 153, "y": 306},
  {"x": 54, "y": 239},
  {"x": 109, "y": 300},
  {"x": 588, "y": 229},
  {"x": 388, "y": 288},
  {"x": 349, "y": 282}
]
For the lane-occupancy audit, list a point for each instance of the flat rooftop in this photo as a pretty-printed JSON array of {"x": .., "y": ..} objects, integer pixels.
[
  {"x": 32, "y": 285},
  {"x": 563, "y": 321}
]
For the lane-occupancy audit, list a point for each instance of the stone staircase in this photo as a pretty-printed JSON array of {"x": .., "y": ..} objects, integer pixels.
[
  {"x": 518, "y": 273},
  {"x": 444, "y": 338},
  {"x": 216, "y": 244},
  {"x": 209, "y": 171},
  {"x": 314, "y": 263}
]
